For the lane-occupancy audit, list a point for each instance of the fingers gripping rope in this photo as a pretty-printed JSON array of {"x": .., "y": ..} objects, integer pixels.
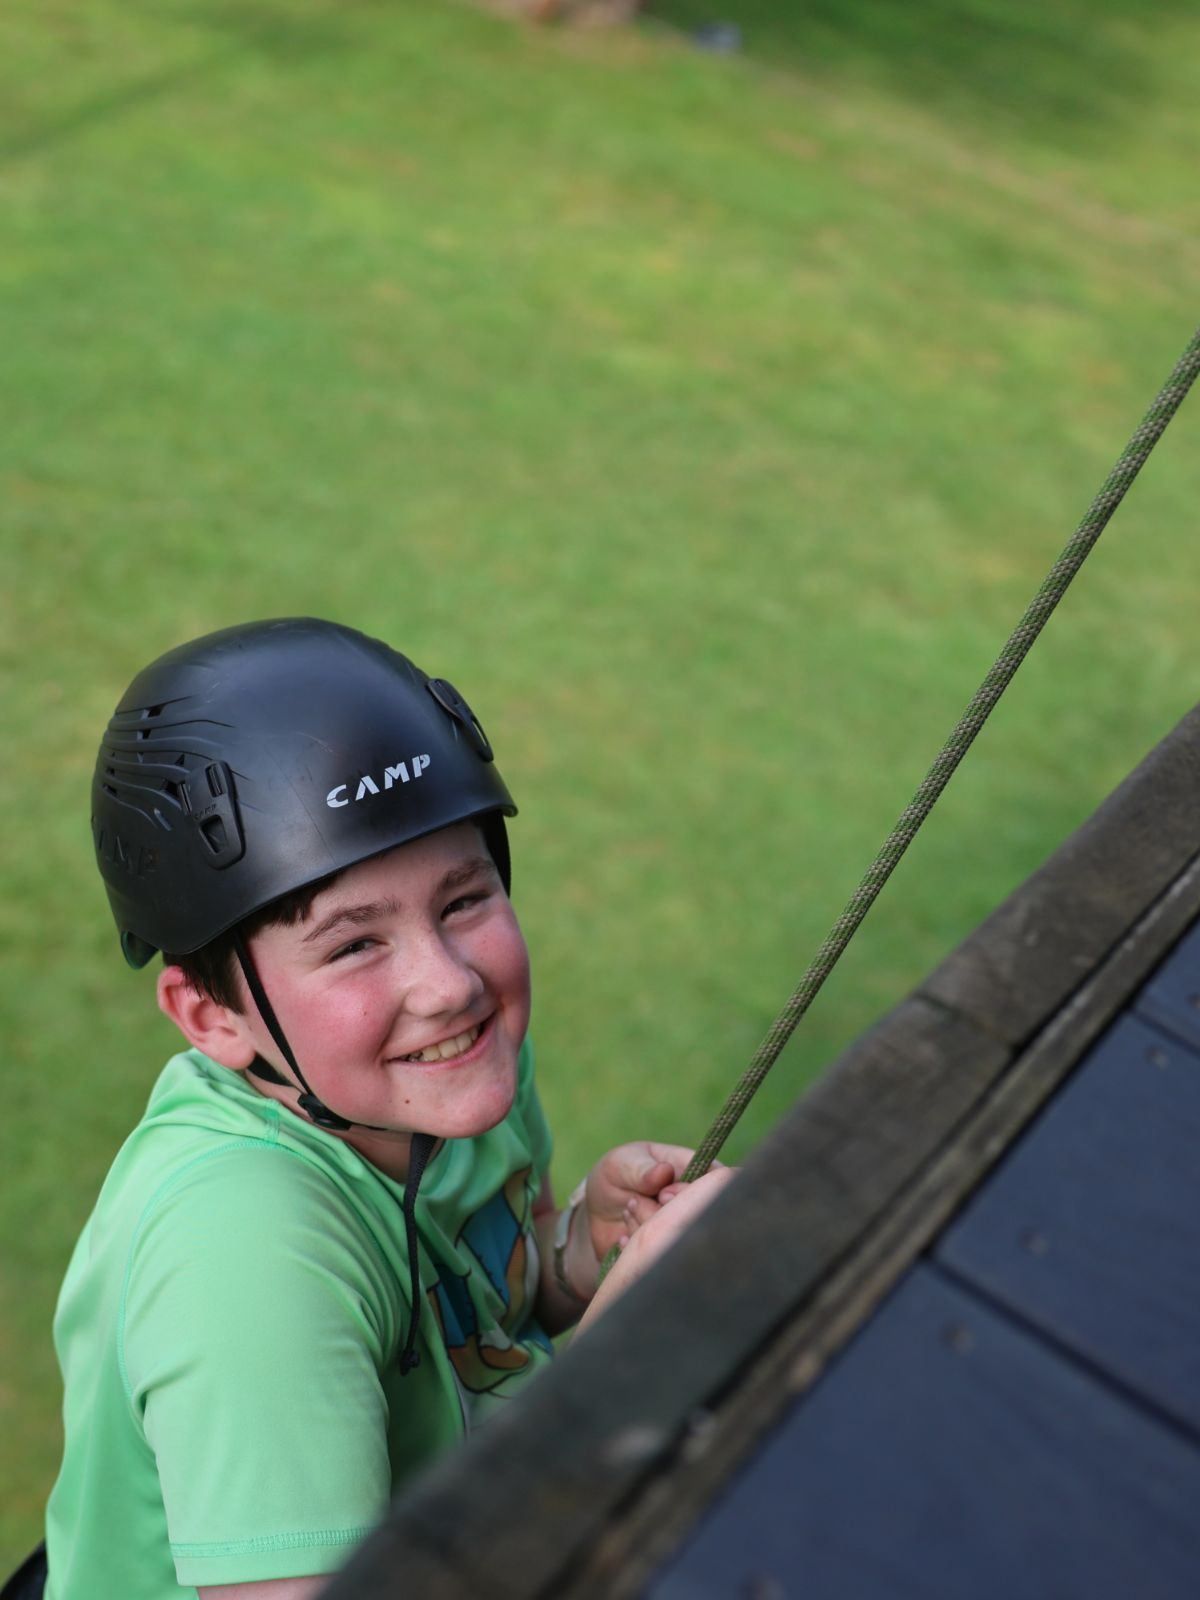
[{"x": 1019, "y": 643}]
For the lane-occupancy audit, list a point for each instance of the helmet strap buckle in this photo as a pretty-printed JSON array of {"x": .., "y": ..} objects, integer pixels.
[{"x": 318, "y": 1112}]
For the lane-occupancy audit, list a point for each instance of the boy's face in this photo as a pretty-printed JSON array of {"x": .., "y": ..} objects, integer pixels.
[{"x": 404, "y": 993}]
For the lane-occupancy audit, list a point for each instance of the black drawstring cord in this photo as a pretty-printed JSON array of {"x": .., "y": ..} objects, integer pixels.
[{"x": 418, "y": 1156}]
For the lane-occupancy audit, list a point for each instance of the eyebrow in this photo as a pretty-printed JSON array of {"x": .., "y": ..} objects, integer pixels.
[{"x": 371, "y": 910}]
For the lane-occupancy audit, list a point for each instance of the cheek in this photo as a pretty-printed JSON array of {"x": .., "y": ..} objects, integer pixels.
[
  {"x": 510, "y": 965},
  {"x": 342, "y": 1013},
  {"x": 500, "y": 957}
]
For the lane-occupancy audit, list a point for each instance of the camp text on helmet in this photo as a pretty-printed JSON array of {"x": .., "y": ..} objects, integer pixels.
[{"x": 399, "y": 773}]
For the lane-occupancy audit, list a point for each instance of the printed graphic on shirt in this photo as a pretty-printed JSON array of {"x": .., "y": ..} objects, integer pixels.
[{"x": 483, "y": 1349}]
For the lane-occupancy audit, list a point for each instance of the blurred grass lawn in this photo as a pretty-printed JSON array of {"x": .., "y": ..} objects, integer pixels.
[{"x": 709, "y": 421}]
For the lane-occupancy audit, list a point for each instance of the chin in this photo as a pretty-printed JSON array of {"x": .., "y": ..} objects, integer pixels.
[
  {"x": 490, "y": 1108},
  {"x": 480, "y": 1110},
  {"x": 468, "y": 1108}
]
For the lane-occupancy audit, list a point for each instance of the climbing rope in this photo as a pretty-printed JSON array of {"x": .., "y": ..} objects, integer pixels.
[{"x": 1038, "y": 613}]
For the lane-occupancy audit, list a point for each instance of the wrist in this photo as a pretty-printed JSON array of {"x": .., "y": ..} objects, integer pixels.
[{"x": 567, "y": 1244}]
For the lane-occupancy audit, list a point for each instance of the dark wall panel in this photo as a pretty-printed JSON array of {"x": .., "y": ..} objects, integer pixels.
[
  {"x": 949, "y": 1453},
  {"x": 1172, "y": 997},
  {"x": 1091, "y": 1226}
]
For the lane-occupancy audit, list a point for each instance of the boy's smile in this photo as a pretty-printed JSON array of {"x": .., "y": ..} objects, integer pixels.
[{"x": 404, "y": 994}]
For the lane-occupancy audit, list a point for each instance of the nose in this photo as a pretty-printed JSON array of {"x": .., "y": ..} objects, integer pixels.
[{"x": 438, "y": 979}]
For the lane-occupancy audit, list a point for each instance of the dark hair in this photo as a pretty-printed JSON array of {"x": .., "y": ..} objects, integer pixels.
[{"x": 213, "y": 969}]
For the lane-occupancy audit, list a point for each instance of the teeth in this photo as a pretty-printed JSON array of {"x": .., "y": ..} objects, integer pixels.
[{"x": 448, "y": 1049}]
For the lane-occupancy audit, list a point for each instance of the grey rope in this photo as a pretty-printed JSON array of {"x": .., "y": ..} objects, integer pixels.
[{"x": 1038, "y": 613}]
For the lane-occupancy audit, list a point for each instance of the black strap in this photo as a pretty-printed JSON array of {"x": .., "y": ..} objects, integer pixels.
[
  {"x": 418, "y": 1158},
  {"x": 314, "y": 1108},
  {"x": 261, "y": 1068},
  {"x": 28, "y": 1582}
]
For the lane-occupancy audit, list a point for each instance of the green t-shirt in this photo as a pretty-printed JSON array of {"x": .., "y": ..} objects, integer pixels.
[{"x": 229, "y": 1327}]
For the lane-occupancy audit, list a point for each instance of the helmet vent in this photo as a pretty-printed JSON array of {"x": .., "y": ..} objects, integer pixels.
[
  {"x": 151, "y": 781},
  {"x": 147, "y": 714}
]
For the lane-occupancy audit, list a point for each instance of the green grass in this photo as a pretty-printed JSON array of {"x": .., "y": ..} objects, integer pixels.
[{"x": 710, "y": 421}]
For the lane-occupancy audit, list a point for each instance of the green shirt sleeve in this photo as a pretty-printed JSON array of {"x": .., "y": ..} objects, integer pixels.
[{"x": 256, "y": 1319}]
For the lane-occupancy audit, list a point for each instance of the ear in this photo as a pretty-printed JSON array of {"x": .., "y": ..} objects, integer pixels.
[{"x": 213, "y": 1028}]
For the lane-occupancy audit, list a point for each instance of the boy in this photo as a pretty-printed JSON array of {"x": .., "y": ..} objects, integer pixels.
[{"x": 330, "y": 1246}]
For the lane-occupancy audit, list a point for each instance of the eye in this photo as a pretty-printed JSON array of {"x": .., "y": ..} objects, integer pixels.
[
  {"x": 352, "y": 949},
  {"x": 466, "y": 902}
]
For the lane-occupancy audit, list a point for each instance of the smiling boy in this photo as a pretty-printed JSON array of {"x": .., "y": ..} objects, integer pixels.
[{"x": 330, "y": 1247}]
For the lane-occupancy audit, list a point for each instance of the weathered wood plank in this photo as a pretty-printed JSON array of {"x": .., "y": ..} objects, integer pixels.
[
  {"x": 950, "y": 1453},
  {"x": 1027, "y": 958},
  {"x": 1091, "y": 1226}
]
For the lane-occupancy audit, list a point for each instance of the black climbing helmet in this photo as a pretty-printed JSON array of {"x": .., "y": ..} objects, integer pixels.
[{"x": 254, "y": 761}]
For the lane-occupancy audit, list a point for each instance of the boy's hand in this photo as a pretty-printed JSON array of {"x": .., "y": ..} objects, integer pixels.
[
  {"x": 679, "y": 1206},
  {"x": 625, "y": 1190},
  {"x": 624, "y": 1187}
]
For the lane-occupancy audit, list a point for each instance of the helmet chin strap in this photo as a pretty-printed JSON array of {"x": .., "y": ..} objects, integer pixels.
[
  {"x": 312, "y": 1105},
  {"x": 319, "y": 1113}
]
